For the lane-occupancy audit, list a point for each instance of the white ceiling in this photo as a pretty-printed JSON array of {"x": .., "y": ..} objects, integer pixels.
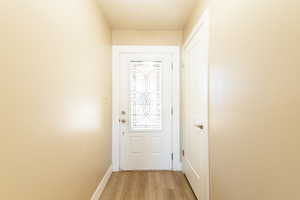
[{"x": 147, "y": 14}]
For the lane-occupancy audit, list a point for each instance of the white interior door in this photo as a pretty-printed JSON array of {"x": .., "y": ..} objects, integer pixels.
[
  {"x": 145, "y": 101},
  {"x": 195, "y": 113}
]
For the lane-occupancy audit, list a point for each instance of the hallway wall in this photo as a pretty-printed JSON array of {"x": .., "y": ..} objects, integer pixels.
[
  {"x": 255, "y": 100},
  {"x": 55, "y": 99},
  {"x": 200, "y": 6},
  {"x": 147, "y": 37}
]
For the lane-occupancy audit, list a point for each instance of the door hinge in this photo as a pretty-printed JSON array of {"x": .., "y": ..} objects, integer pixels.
[
  {"x": 172, "y": 66},
  {"x": 172, "y": 156},
  {"x": 182, "y": 152},
  {"x": 172, "y": 111}
]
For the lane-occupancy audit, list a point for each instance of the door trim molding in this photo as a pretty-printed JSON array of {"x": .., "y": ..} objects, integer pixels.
[
  {"x": 204, "y": 17},
  {"x": 174, "y": 50}
]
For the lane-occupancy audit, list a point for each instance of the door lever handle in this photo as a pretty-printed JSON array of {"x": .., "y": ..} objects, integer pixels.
[
  {"x": 200, "y": 126},
  {"x": 123, "y": 121}
]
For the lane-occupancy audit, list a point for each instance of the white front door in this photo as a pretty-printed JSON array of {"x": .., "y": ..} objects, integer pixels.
[
  {"x": 195, "y": 113},
  {"x": 145, "y": 102}
]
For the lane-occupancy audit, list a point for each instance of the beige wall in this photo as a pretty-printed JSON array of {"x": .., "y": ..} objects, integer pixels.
[
  {"x": 146, "y": 37},
  {"x": 200, "y": 6},
  {"x": 255, "y": 100},
  {"x": 55, "y": 94}
]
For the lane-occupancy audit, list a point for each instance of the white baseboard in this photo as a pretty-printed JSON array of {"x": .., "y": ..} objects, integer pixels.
[
  {"x": 102, "y": 184},
  {"x": 192, "y": 176}
]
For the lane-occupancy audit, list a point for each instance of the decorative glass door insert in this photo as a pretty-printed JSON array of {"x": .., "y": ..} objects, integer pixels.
[{"x": 145, "y": 95}]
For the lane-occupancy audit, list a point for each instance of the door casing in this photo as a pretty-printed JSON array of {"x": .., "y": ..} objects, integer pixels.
[{"x": 174, "y": 50}]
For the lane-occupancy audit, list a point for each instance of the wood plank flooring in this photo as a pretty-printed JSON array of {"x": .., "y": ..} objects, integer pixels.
[{"x": 148, "y": 185}]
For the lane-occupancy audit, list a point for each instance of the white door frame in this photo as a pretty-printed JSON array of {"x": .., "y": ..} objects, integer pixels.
[
  {"x": 174, "y": 50},
  {"x": 205, "y": 17},
  {"x": 195, "y": 32}
]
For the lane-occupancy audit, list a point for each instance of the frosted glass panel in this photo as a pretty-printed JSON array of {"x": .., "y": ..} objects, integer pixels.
[{"x": 145, "y": 95}]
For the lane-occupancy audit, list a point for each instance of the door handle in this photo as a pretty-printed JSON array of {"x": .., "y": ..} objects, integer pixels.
[
  {"x": 200, "y": 126},
  {"x": 123, "y": 121}
]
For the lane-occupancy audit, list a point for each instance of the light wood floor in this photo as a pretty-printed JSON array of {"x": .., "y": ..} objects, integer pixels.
[{"x": 148, "y": 185}]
